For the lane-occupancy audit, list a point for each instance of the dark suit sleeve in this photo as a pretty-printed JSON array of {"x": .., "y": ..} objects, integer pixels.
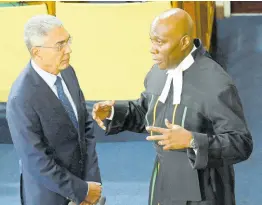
[
  {"x": 231, "y": 142},
  {"x": 92, "y": 171},
  {"x": 26, "y": 132}
]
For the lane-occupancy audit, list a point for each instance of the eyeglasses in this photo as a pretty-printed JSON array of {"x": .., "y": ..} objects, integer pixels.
[{"x": 60, "y": 46}]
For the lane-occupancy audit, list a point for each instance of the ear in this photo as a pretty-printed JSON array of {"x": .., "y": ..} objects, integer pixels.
[
  {"x": 35, "y": 52},
  {"x": 185, "y": 41}
]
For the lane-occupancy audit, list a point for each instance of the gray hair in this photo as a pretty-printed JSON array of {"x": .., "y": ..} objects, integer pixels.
[{"x": 37, "y": 28}]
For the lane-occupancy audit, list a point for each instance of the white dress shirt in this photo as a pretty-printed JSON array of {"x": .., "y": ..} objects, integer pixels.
[{"x": 50, "y": 80}]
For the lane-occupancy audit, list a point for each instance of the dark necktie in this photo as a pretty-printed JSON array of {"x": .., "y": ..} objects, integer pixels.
[{"x": 64, "y": 100}]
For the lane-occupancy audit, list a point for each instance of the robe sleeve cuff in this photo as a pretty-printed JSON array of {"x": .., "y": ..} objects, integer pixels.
[
  {"x": 201, "y": 155},
  {"x": 116, "y": 123}
]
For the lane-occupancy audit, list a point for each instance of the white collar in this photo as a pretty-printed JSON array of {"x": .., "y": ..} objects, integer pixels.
[
  {"x": 49, "y": 78},
  {"x": 176, "y": 74}
]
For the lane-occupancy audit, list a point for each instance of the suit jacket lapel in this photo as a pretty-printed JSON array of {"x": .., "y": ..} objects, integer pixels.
[{"x": 45, "y": 90}]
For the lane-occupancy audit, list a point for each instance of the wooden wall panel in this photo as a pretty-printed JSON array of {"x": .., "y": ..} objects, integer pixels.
[
  {"x": 50, "y": 5},
  {"x": 202, "y": 13},
  {"x": 190, "y": 7}
]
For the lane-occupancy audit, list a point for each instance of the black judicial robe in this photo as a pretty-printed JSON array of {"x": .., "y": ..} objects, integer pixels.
[{"x": 211, "y": 109}]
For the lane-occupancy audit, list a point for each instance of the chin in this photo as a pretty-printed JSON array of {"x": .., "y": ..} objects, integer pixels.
[
  {"x": 64, "y": 66},
  {"x": 161, "y": 67}
]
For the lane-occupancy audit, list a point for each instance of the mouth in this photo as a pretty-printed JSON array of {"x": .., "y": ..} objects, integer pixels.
[
  {"x": 156, "y": 61},
  {"x": 66, "y": 60}
]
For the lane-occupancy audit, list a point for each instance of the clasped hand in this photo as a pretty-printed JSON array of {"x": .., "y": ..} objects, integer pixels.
[{"x": 94, "y": 194}]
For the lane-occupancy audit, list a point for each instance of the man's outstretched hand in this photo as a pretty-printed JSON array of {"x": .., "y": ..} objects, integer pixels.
[{"x": 101, "y": 111}]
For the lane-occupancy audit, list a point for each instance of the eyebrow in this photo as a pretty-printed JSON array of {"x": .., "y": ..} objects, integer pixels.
[
  {"x": 60, "y": 42},
  {"x": 157, "y": 37}
]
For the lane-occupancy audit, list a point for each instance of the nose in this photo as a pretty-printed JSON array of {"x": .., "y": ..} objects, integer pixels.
[
  {"x": 68, "y": 49},
  {"x": 153, "y": 49}
]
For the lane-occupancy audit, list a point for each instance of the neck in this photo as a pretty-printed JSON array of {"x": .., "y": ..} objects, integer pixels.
[{"x": 46, "y": 68}]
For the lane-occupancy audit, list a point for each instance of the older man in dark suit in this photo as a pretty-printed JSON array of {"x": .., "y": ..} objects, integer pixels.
[{"x": 51, "y": 129}]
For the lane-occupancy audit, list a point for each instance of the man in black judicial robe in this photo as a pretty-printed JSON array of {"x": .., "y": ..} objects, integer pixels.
[{"x": 193, "y": 113}]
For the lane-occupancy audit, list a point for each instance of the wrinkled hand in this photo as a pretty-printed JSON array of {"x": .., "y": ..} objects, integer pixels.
[
  {"x": 174, "y": 137},
  {"x": 101, "y": 111},
  {"x": 94, "y": 193}
]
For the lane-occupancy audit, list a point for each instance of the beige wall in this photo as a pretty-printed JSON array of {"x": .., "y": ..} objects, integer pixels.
[
  {"x": 14, "y": 55},
  {"x": 110, "y": 45}
]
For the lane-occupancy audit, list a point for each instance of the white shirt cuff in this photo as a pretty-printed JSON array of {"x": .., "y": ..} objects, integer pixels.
[
  {"x": 88, "y": 186},
  {"x": 195, "y": 150},
  {"x": 112, "y": 114}
]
